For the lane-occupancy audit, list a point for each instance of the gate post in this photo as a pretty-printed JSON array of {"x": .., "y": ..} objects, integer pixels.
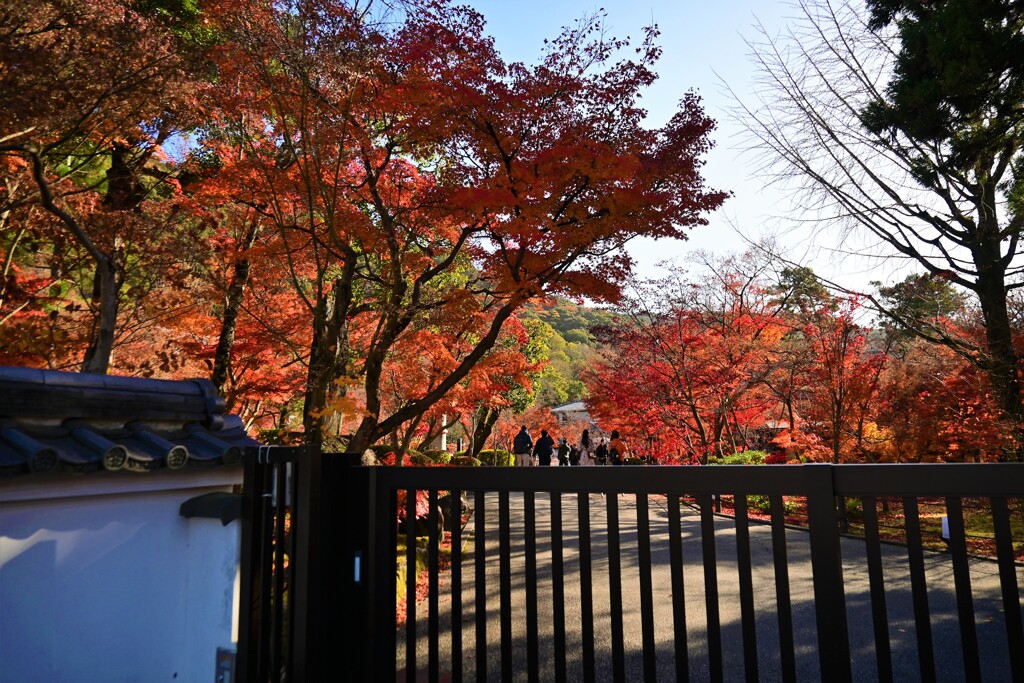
[
  {"x": 250, "y": 571},
  {"x": 307, "y": 523},
  {"x": 345, "y": 647},
  {"x": 331, "y": 522},
  {"x": 827, "y": 568}
]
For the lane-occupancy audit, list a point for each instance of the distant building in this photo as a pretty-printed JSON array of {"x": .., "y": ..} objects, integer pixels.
[{"x": 574, "y": 411}]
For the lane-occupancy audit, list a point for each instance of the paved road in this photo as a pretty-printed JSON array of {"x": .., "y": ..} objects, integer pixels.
[{"x": 985, "y": 583}]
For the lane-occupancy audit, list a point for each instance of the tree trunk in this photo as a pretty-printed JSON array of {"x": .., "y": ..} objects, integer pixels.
[
  {"x": 486, "y": 418},
  {"x": 232, "y": 305},
  {"x": 372, "y": 427},
  {"x": 125, "y": 192},
  {"x": 1002, "y": 364},
  {"x": 327, "y": 358},
  {"x": 106, "y": 287}
]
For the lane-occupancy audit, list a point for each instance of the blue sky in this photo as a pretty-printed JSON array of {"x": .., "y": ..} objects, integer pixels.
[{"x": 704, "y": 48}]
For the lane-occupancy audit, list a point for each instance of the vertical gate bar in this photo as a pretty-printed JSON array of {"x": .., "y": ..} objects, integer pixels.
[
  {"x": 962, "y": 581},
  {"x": 586, "y": 587},
  {"x": 557, "y": 585},
  {"x": 277, "y": 646},
  {"x": 919, "y": 590},
  {"x": 290, "y": 545},
  {"x": 530, "y": 531},
  {"x": 433, "y": 587},
  {"x": 744, "y": 568},
  {"x": 780, "y": 561},
  {"x": 827, "y": 572},
  {"x": 266, "y": 547},
  {"x": 266, "y": 581},
  {"x": 266, "y": 574},
  {"x": 505, "y": 582},
  {"x": 384, "y": 559},
  {"x": 675, "y": 546},
  {"x": 250, "y": 568},
  {"x": 707, "y": 538},
  {"x": 309, "y": 557},
  {"x": 879, "y": 611},
  {"x": 480, "y": 584},
  {"x": 643, "y": 536},
  {"x": 455, "y": 514},
  {"x": 410, "y": 585},
  {"x": 615, "y": 588},
  {"x": 1008, "y": 583}
]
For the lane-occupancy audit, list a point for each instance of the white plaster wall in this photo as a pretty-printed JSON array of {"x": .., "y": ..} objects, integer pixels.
[{"x": 113, "y": 586}]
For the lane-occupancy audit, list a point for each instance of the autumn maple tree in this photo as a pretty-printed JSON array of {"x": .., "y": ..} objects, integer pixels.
[
  {"x": 408, "y": 171},
  {"x": 98, "y": 88},
  {"x": 686, "y": 362}
]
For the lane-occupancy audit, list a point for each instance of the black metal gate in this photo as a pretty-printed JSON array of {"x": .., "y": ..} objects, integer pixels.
[{"x": 485, "y": 618}]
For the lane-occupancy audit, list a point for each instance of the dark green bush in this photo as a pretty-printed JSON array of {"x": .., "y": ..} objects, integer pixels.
[
  {"x": 416, "y": 458},
  {"x": 464, "y": 460},
  {"x": 763, "y": 504},
  {"x": 855, "y": 507},
  {"x": 496, "y": 457},
  {"x": 439, "y": 456}
]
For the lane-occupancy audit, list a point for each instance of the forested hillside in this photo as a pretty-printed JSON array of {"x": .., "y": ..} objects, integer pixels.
[{"x": 572, "y": 348}]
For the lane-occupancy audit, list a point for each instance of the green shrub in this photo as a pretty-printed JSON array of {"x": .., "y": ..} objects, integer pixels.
[
  {"x": 759, "y": 503},
  {"x": 497, "y": 457},
  {"x": 439, "y": 456},
  {"x": 416, "y": 458},
  {"x": 464, "y": 460},
  {"x": 741, "y": 458},
  {"x": 855, "y": 507},
  {"x": 763, "y": 504}
]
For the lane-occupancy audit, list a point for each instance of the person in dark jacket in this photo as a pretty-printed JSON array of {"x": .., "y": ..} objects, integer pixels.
[
  {"x": 563, "y": 452},
  {"x": 522, "y": 444},
  {"x": 544, "y": 448}
]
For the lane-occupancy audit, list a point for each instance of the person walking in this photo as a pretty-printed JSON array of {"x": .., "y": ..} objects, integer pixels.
[
  {"x": 585, "y": 448},
  {"x": 544, "y": 448},
  {"x": 601, "y": 453},
  {"x": 617, "y": 448},
  {"x": 563, "y": 452},
  {"x": 522, "y": 444}
]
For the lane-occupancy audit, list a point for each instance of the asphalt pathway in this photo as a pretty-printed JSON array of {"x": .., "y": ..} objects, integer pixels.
[{"x": 939, "y": 573}]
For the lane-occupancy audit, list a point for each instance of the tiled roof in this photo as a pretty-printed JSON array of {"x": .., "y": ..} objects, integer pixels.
[
  {"x": 66, "y": 421},
  {"x": 570, "y": 407}
]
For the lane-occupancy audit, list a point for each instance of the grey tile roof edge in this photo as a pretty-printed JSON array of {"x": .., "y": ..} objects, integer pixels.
[
  {"x": 62, "y": 378},
  {"x": 23, "y": 391},
  {"x": 79, "y": 441},
  {"x": 83, "y": 449}
]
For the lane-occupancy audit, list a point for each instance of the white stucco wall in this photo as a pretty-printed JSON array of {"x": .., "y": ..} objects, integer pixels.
[{"x": 100, "y": 581}]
